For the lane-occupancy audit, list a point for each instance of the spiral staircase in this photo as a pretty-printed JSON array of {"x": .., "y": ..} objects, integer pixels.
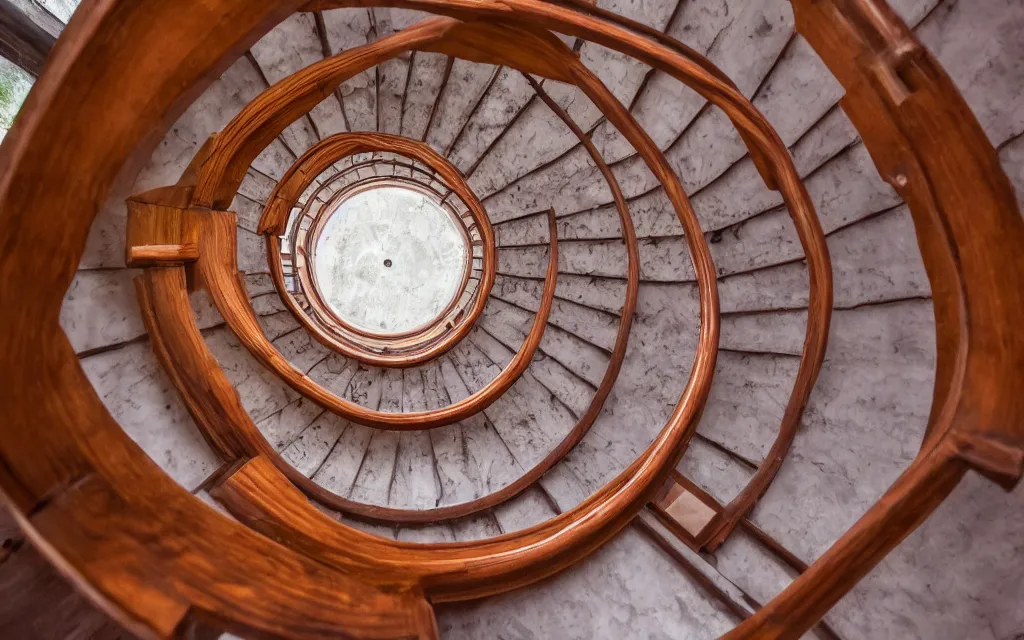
[{"x": 733, "y": 349}]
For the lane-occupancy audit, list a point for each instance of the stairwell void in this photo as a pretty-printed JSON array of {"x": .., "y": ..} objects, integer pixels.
[{"x": 526, "y": 319}]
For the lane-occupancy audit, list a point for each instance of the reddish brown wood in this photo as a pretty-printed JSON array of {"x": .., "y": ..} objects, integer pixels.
[
  {"x": 162, "y": 254},
  {"x": 1000, "y": 460},
  {"x": 157, "y": 559},
  {"x": 218, "y": 268},
  {"x": 89, "y": 499},
  {"x": 662, "y": 507},
  {"x": 675, "y": 192},
  {"x": 301, "y": 176},
  {"x": 325, "y": 50},
  {"x": 585, "y": 422},
  {"x": 928, "y": 145}
]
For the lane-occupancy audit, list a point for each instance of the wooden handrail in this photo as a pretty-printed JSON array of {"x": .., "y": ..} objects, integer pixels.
[
  {"x": 91, "y": 501},
  {"x": 301, "y": 175},
  {"x": 930, "y": 148},
  {"x": 114, "y": 524},
  {"x": 218, "y": 268},
  {"x": 540, "y": 550},
  {"x": 403, "y": 343}
]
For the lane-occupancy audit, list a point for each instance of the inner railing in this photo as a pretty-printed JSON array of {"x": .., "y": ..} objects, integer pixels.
[
  {"x": 305, "y": 225},
  {"x": 86, "y": 493}
]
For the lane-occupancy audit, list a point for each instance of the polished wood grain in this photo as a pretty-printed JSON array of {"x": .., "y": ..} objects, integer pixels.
[
  {"x": 158, "y": 560},
  {"x": 217, "y": 410},
  {"x": 927, "y": 144},
  {"x": 1000, "y": 460},
  {"x": 135, "y": 543},
  {"x": 218, "y": 267},
  {"x": 301, "y": 175},
  {"x": 162, "y": 254}
]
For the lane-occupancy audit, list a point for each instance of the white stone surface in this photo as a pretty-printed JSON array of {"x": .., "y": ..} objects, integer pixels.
[
  {"x": 389, "y": 260},
  {"x": 100, "y": 309},
  {"x": 529, "y": 418},
  {"x": 626, "y": 590},
  {"x": 722, "y": 475},
  {"x": 422, "y": 92},
  {"x": 509, "y": 93},
  {"x": 347, "y": 29},
  {"x": 466, "y": 84},
  {"x": 291, "y": 46},
  {"x": 142, "y": 399}
]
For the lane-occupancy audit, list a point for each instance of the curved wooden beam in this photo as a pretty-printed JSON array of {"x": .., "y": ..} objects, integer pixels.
[
  {"x": 773, "y": 161},
  {"x": 536, "y": 552},
  {"x": 927, "y": 144},
  {"x": 317, "y": 159},
  {"x": 218, "y": 268},
  {"x": 124, "y": 534},
  {"x": 266, "y": 117}
]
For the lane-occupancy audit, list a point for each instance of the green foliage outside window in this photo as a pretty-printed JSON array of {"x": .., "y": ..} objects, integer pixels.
[{"x": 14, "y": 87}]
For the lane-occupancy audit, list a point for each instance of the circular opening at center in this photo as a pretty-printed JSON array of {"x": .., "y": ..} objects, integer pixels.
[{"x": 389, "y": 260}]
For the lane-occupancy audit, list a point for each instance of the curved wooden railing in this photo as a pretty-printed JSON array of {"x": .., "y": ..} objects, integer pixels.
[
  {"x": 297, "y": 284},
  {"x": 160, "y": 561},
  {"x": 433, "y": 340}
]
